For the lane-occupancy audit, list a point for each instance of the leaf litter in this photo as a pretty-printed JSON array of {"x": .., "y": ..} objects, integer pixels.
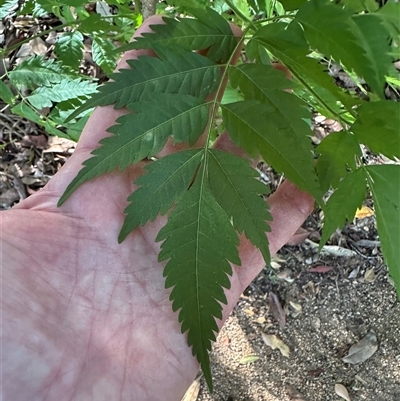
[
  {"x": 342, "y": 392},
  {"x": 362, "y": 350},
  {"x": 275, "y": 342},
  {"x": 276, "y": 309}
]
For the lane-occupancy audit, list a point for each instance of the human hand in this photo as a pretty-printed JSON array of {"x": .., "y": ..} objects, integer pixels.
[{"x": 85, "y": 318}]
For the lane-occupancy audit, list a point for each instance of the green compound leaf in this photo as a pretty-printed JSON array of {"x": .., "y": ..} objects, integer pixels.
[
  {"x": 6, "y": 93},
  {"x": 199, "y": 242},
  {"x": 65, "y": 90},
  {"x": 257, "y": 80},
  {"x": 96, "y": 24},
  {"x": 290, "y": 5},
  {"x": 343, "y": 203},
  {"x": 144, "y": 134},
  {"x": 164, "y": 183},
  {"x": 327, "y": 27},
  {"x": 8, "y": 7},
  {"x": 23, "y": 110},
  {"x": 359, "y": 6},
  {"x": 36, "y": 71},
  {"x": 374, "y": 38},
  {"x": 384, "y": 182},
  {"x": 338, "y": 152},
  {"x": 260, "y": 129},
  {"x": 209, "y": 31},
  {"x": 176, "y": 71},
  {"x": 69, "y": 48},
  {"x": 241, "y": 9},
  {"x": 377, "y": 127},
  {"x": 102, "y": 52},
  {"x": 281, "y": 123},
  {"x": 287, "y": 43},
  {"x": 235, "y": 187},
  {"x": 389, "y": 15}
]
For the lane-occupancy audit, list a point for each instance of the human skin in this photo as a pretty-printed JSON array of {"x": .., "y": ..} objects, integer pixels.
[{"x": 85, "y": 318}]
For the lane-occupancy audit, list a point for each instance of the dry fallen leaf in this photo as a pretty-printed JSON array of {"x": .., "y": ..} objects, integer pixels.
[
  {"x": 38, "y": 46},
  {"x": 193, "y": 391},
  {"x": 284, "y": 274},
  {"x": 276, "y": 262},
  {"x": 354, "y": 272},
  {"x": 260, "y": 320},
  {"x": 320, "y": 269},
  {"x": 250, "y": 358},
  {"x": 276, "y": 309},
  {"x": 275, "y": 265},
  {"x": 315, "y": 372},
  {"x": 364, "y": 212},
  {"x": 294, "y": 394},
  {"x": 363, "y": 350},
  {"x": 59, "y": 145},
  {"x": 274, "y": 342},
  {"x": 369, "y": 276},
  {"x": 338, "y": 251},
  {"x": 296, "y": 308},
  {"x": 341, "y": 391},
  {"x": 249, "y": 312}
]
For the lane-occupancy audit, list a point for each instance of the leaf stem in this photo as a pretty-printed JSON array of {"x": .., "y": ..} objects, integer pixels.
[
  {"x": 276, "y": 17},
  {"x": 216, "y": 102}
]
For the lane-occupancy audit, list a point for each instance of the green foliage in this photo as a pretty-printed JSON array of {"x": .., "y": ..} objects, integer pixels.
[
  {"x": 288, "y": 44},
  {"x": 199, "y": 242},
  {"x": 6, "y": 93},
  {"x": 344, "y": 202},
  {"x": 338, "y": 153},
  {"x": 163, "y": 74},
  {"x": 210, "y": 31},
  {"x": 7, "y": 8},
  {"x": 271, "y": 122},
  {"x": 57, "y": 82},
  {"x": 164, "y": 183},
  {"x": 154, "y": 122},
  {"x": 384, "y": 182},
  {"x": 234, "y": 186},
  {"x": 69, "y": 48},
  {"x": 64, "y": 90},
  {"x": 36, "y": 72},
  {"x": 211, "y": 196},
  {"x": 327, "y": 27},
  {"x": 103, "y": 54},
  {"x": 384, "y": 116}
]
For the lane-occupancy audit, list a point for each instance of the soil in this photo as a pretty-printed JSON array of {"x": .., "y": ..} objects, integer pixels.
[{"x": 337, "y": 312}]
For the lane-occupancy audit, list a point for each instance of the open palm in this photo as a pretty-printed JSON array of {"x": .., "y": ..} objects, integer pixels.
[{"x": 86, "y": 318}]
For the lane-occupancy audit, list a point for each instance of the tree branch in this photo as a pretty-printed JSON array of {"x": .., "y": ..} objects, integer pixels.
[{"x": 148, "y": 8}]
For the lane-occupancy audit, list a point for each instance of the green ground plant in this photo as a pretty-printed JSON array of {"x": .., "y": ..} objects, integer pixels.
[{"x": 212, "y": 196}]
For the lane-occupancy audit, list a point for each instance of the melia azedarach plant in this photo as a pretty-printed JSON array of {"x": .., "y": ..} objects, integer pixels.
[{"x": 212, "y": 196}]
